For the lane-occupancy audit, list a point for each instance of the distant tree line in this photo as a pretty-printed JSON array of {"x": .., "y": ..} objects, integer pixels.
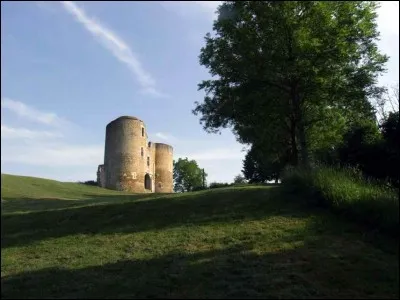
[{"x": 89, "y": 182}]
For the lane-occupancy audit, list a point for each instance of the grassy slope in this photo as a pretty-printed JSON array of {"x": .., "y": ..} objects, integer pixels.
[{"x": 252, "y": 242}]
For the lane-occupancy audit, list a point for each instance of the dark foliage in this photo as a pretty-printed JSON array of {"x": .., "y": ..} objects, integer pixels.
[
  {"x": 375, "y": 153},
  {"x": 215, "y": 185},
  {"x": 90, "y": 182}
]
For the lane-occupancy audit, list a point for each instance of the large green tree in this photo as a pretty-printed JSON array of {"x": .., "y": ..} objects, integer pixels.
[
  {"x": 187, "y": 175},
  {"x": 259, "y": 166},
  {"x": 281, "y": 67}
]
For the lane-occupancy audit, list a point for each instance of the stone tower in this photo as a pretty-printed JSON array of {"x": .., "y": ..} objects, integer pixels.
[
  {"x": 133, "y": 164},
  {"x": 163, "y": 174}
]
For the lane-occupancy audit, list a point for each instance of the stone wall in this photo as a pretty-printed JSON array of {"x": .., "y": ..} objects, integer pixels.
[
  {"x": 128, "y": 158},
  {"x": 124, "y": 155},
  {"x": 164, "y": 175},
  {"x": 101, "y": 180}
]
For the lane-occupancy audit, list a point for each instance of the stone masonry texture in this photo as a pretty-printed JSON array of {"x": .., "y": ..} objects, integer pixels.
[{"x": 133, "y": 164}]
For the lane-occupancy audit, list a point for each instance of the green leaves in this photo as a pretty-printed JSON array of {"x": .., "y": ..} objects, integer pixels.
[
  {"x": 277, "y": 66},
  {"x": 187, "y": 175}
]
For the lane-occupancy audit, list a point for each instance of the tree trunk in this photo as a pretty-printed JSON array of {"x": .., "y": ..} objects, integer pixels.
[
  {"x": 304, "y": 159},
  {"x": 301, "y": 134},
  {"x": 294, "y": 154}
]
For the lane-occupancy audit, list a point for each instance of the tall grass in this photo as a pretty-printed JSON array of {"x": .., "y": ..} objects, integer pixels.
[{"x": 346, "y": 192}]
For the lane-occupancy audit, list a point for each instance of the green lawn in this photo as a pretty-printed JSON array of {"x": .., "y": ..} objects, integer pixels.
[{"x": 66, "y": 240}]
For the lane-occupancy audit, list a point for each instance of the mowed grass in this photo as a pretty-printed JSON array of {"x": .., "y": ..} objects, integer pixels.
[{"x": 66, "y": 240}]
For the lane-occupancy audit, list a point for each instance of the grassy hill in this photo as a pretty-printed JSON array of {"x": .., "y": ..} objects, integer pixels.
[{"x": 68, "y": 240}]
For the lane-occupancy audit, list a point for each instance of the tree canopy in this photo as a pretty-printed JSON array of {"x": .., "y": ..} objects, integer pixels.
[
  {"x": 187, "y": 175},
  {"x": 282, "y": 68},
  {"x": 239, "y": 179},
  {"x": 262, "y": 167}
]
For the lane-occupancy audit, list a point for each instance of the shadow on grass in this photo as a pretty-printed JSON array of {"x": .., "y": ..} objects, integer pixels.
[
  {"x": 138, "y": 213},
  {"x": 26, "y": 204},
  {"x": 315, "y": 270},
  {"x": 117, "y": 216},
  {"x": 327, "y": 264}
]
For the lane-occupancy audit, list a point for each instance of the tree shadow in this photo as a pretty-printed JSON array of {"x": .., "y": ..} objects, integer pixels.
[
  {"x": 29, "y": 204},
  {"x": 106, "y": 214},
  {"x": 314, "y": 270},
  {"x": 136, "y": 215},
  {"x": 327, "y": 264}
]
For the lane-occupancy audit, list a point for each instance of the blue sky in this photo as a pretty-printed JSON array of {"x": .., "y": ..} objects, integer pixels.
[{"x": 69, "y": 68}]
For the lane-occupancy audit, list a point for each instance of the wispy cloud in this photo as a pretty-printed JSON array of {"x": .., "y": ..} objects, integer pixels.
[
  {"x": 165, "y": 137},
  {"x": 221, "y": 163},
  {"x": 52, "y": 148},
  {"x": 50, "y": 154},
  {"x": 24, "y": 133},
  {"x": 32, "y": 114},
  {"x": 215, "y": 154},
  {"x": 119, "y": 48}
]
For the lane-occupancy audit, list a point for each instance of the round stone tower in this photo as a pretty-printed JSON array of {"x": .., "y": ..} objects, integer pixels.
[
  {"x": 163, "y": 168},
  {"x": 126, "y": 156}
]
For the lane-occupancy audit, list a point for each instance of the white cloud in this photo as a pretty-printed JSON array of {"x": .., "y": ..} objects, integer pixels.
[
  {"x": 161, "y": 135},
  {"x": 116, "y": 46},
  {"x": 215, "y": 154},
  {"x": 223, "y": 171},
  {"x": 40, "y": 154},
  {"x": 153, "y": 92},
  {"x": 221, "y": 164},
  {"x": 165, "y": 137},
  {"x": 23, "y": 133},
  {"x": 49, "y": 154},
  {"x": 32, "y": 114},
  {"x": 45, "y": 153}
]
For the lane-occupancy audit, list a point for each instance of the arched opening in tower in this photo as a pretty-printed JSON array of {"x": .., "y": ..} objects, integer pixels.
[{"x": 147, "y": 182}]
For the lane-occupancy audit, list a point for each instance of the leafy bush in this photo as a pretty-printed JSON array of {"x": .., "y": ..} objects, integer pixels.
[
  {"x": 89, "y": 182},
  {"x": 346, "y": 192},
  {"x": 214, "y": 185},
  {"x": 239, "y": 179},
  {"x": 375, "y": 153},
  {"x": 391, "y": 134},
  {"x": 242, "y": 184},
  {"x": 199, "y": 188}
]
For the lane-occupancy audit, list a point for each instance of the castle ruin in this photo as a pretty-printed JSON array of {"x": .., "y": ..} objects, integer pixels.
[{"x": 133, "y": 164}]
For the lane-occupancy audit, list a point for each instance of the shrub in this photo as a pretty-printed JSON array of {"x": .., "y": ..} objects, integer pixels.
[
  {"x": 199, "y": 188},
  {"x": 375, "y": 153},
  {"x": 241, "y": 184},
  {"x": 90, "y": 182},
  {"x": 346, "y": 192},
  {"x": 214, "y": 185},
  {"x": 239, "y": 179}
]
